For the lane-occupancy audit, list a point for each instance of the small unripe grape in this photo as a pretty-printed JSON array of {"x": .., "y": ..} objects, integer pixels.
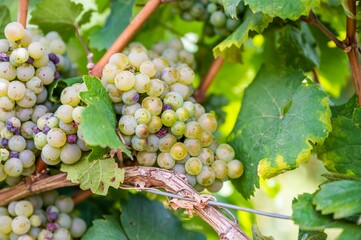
[
  {"x": 182, "y": 114},
  {"x": 178, "y": 151},
  {"x": 169, "y": 117},
  {"x": 206, "y": 177},
  {"x": 146, "y": 158},
  {"x": 5, "y": 224},
  {"x": 220, "y": 169},
  {"x": 235, "y": 168},
  {"x": 225, "y": 152},
  {"x": 193, "y": 166},
  {"x": 178, "y": 128},
  {"x": 174, "y": 99},
  {"x": 142, "y": 115},
  {"x": 218, "y": 19},
  {"x": 24, "y": 208},
  {"x": 155, "y": 124},
  {"x": 165, "y": 160}
]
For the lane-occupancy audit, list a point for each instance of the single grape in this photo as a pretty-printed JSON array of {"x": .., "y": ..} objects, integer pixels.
[
  {"x": 78, "y": 227},
  {"x": 235, "y": 168},
  {"x": 206, "y": 156},
  {"x": 174, "y": 99},
  {"x": 225, "y": 152},
  {"x": 165, "y": 160},
  {"x": 178, "y": 151},
  {"x": 218, "y": 19},
  {"x": 124, "y": 80},
  {"x": 156, "y": 88},
  {"x": 130, "y": 97},
  {"x": 20, "y": 225},
  {"x": 63, "y": 234},
  {"x": 127, "y": 124},
  {"x": 206, "y": 177},
  {"x": 155, "y": 124},
  {"x": 35, "y": 220},
  {"x": 36, "y": 50},
  {"x": 139, "y": 144},
  {"x": 5, "y": 224},
  {"x": 166, "y": 142},
  {"x": 14, "y": 31},
  {"x": 16, "y": 90},
  {"x": 64, "y": 113},
  {"x": 153, "y": 104},
  {"x": 169, "y": 117},
  {"x": 178, "y": 128},
  {"x": 146, "y": 158},
  {"x": 50, "y": 153},
  {"x": 24, "y": 208},
  {"x": 193, "y": 130},
  {"x": 70, "y": 153},
  {"x": 216, "y": 186},
  {"x": 13, "y": 167},
  {"x": 142, "y": 83},
  {"x": 208, "y": 122},
  {"x": 220, "y": 169},
  {"x": 193, "y": 166},
  {"x": 65, "y": 204},
  {"x": 120, "y": 60}
]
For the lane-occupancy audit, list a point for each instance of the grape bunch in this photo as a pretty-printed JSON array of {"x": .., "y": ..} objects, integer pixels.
[
  {"x": 217, "y": 21},
  {"x": 29, "y": 61},
  {"x": 42, "y": 217},
  {"x": 161, "y": 122}
]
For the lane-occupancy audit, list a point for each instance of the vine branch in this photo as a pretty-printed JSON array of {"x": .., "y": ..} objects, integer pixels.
[
  {"x": 352, "y": 42},
  {"x": 200, "y": 94},
  {"x": 137, "y": 176},
  {"x": 126, "y": 35},
  {"x": 23, "y": 11}
]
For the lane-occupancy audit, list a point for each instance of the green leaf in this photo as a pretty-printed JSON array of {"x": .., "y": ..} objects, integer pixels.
[
  {"x": 4, "y": 19},
  {"x": 121, "y": 11},
  {"x": 57, "y": 87},
  {"x": 269, "y": 142},
  {"x": 230, "y": 7},
  {"x": 56, "y": 15},
  {"x": 97, "y": 175},
  {"x": 341, "y": 198},
  {"x": 85, "y": 18},
  {"x": 283, "y": 8},
  {"x": 99, "y": 121},
  {"x": 108, "y": 228},
  {"x": 145, "y": 219},
  {"x": 346, "y": 110},
  {"x": 341, "y": 152},
  {"x": 257, "y": 235},
  {"x": 230, "y": 47},
  {"x": 311, "y": 235},
  {"x": 97, "y": 153},
  {"x": 297, "y": 47},
  {"x": 306, "y": 216},
  {"x": 102, "y": 5}
]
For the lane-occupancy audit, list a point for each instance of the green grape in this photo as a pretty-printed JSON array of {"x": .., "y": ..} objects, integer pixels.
[
  {"x": 218, "y": 19},
  {"x": 182, "y": 114},
  {"x": 127, "y": 124},
  {"x": 124, "y": 80},
  {"x": 16, "y": 90},
  {"x": 178, "y": 128},
  {"x": 3, "y": 174},
  {"x": 156, "y": 88},
  {"x": 64, "y": 234},
  {"x": 34, "y": 232},
  {"x": 235, "y": 168},
  {"x": 114, "y": 93},
  {"x": 6, "y": 103},
  {"x": 153, "y": 104},
  {"x": 46, "y": 74},
  {"x": 20, "y": 55},
  {"x": 179, "y": 168},
  {"x": 57, "y": 46},
  {"x": 52, "y": 122},
  {"x": 193, "y": 166},
  {"x": 220, "y": 169},
  {"x": 35, "y": 221},
  {"x": 174, "y": 99},
  {"x": 130, "y": 97},
  {"x": 3, "y": 211},
  {"x": 13, "y": 167},
  {"x": 206, "y": 156},
  {"x": 65, "y": 204},
  {"x": 165, "y": 160},
  {"x": 148, "y": 68},
  {"x": 20, "y": 225},
  {"x": 50, "y": 153},
  {"x": 152, "y": 143},
  {"x": 146, "y": 158},
  {"x": 170, "y": 75},
  {"x": 170, "y": 54},
  {"x": 7, "y": 71},
  {"x": 194, "y": 147},
  {"x": 208, "y": 122},
  {"x": 142, "y": 115},
  {"x": 225, "y": 152},
  {"x": 25, "y": 72},
  {"x": 70, "y": 153},
  {"x": 40, "y": 140},
  {"x": 76, "y": 114},
  {"x": 169, "y": 117},
  {"x": 206, "y": 177},
  {"x": 206, "y": 138},
  {"x": 137, "y": 58},
  {"x": 78, "y": 227},
  {"x": 50, "y": 197},
  {"x": 193, "y": 130},
  {"x": 68, "y": 128},
  {"x": 161, "y": 63},
  {"x": 5, "y": 224},
  {"x": 216, "y": 186},
  {"x": 70, "y": 96},
  {"x": 155, "y": 124},
  {"x": 120, "y": 60},
  {"x": 211, "y": 7},
  {"x": 139, "y": 144},
  {"x": 45, "y": 235},
  {"x": 24, "y": 208},
  {"x": 56, "y": 137},
  {"x": 25, "y": 237},
  {"x": 166, "y": 142},
  {"x": 109, "y": 72},
  {"x": 64, "y": 113},
  {"x": 142, "y": 83},
  {"x": 11, "y": 208},
  {"x": 4, "y": 85},
  {"x": 36, "y": 201},
  {"x": 199, "y": 110},
  {"x": 178, "y": 151},
  {"x": 181, "y": 89},
  {"x": 36, "y": 50},
  {"x": 64, "y": 220},
  {"x": 142, "y": 131},
  {"x": 130, "y": 109}
]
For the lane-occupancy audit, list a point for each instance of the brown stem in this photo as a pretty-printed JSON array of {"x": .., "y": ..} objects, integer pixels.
[
  {"x": 126, "y": 35},
  {"x": 81, "y": 196},
  {"x": 352, "y": 43},
  {"x": 313, "y": 19},
  {"x": 89, "y": 54},
  {"x": 200, "y": 94},
  {"x": 23, "y": 12},
  {"x": 315, "y": 75},
  {"x": 40, "y": 165},
  {"x": 138, "y": 176}
]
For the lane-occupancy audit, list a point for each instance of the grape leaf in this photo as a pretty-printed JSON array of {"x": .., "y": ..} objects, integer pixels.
[
  {"x": 341, "y": 198},
  {"x": 121, "y": 11},
  {"x": 102, "y": 5},
  {"x": 97, "y": 153},
  {"x": 311, "y": 235},
  {"x": 296, "y": 47},
  {"x": 279, "y": 121},
  {"x": 85, "y": 18},
  {"x": 257, "y": 235},
  {"x": 230, "y": 47},
  {"x": 283, "y": 8},
  {"x": 108, "y": 228},
  {"x": 145, "y": 219},
  {"x": 230, "y": 7},
  {"x": 4, "y": 19},
  {"x": 56, "y": 15},
  {"x": 97, "y": 175},
  {"x": 341, "y": 152},
  {"x": 305, "y": 215},
  {"x": 99, "y": 121},
  {"x": 57, "y": 87}
]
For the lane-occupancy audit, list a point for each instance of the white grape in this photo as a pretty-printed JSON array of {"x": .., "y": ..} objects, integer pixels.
[
  {"x": 4, "y": 84},
  {"x": 36, "y": 50},
  {"x": 70, "y": 153},
  {"x": 28, "y": 100},
  {"x": 19, "y": 55},
  {"x": 13, "y": 167},
  {"x": 24, "y": 208},
  {"x": 20, "y": 225},
  {"x": 46, "y": 74},
  {"x": 14, "y": 31},
  {"x": 27, "y": 158},
  {"x": 64, "y": 113},
  {"x": 35, "y": 85},
  {"x": 5, "y": 224},
  {"x": 7, "y": 71},
  {"x": 16, "y": 90}
]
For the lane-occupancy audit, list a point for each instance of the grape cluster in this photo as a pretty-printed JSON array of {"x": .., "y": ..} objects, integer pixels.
[
  {"x": 159, "y": 119},
  {"x": 28, "y": 62},
  {"x": 218, "y": 22},
  {"x": 42, "y": 217}
]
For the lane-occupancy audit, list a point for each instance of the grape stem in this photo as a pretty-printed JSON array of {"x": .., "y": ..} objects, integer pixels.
[
  {"x": 200, "y": 94},
  {"x": 352, "y": 48},
  {"x": 40, "y": 165},
  {"x": 81, "y": 196},
  {"x": 23, "y": 12},
  {"x": 128, "y": 33},
  {"x": 89, "y": 54}
]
